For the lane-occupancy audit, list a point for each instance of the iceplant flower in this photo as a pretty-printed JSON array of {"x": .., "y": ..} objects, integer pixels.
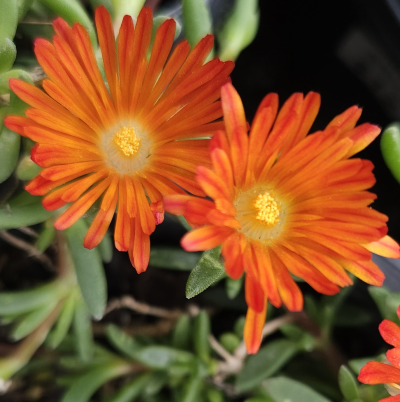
[
  {"x": 120, "y": 142},
  {"x": 382, "y": 373},
  {"x": 285, "y": 202}
]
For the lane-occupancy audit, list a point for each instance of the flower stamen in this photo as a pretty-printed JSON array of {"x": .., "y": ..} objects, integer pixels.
[
  {"x": 268, "y": 209},
  {"x": 127, "y": 141}
]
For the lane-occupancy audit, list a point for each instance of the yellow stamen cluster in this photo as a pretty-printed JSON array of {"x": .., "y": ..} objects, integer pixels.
[
  {"x": 268, "y": 209},
  {"x": 127, "y": 141}
]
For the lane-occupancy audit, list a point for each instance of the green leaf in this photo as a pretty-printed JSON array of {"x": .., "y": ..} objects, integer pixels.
[
  {"x": 63, "y": 323},
  {"x": 191, "y": 391},
  {"x": 390, "y": 147},
  {"x": 106, "y": 248},
  {"x": 5, "y": 77},
  {"x": 266, "y": 363},
  {"x": 13, "y": 216},
  {"x": 173, "y": 258},
  {"x": 23, "y": 8},
  {"x": 233, "y": 287},
  {"x": 72, "y": 11},
  {"x": 27, "y": 169},
  {"x": 85, "y": 386},
  {"x": 207, "y": 271},
  {"x": 9, "y": 152},
  {"x": 83, "y": 331},
  {"x": 182, "y": 332},
  {"x": 132, "y": 390},
  {"x": 386, "y": 302},
  {"x": 197, "y": 22},
  {"x": 126, "y": 7},
  {"x": 215, "y": 395},
  {"x": 31, "y": 321},
  {"x": 348, "y": 384},
  {"x": 283, "y": 389},
  {"x": 239, "y": 30},
  {"x": 8, "y": 53},
  {"x": 8, "y": 19},
  {"x": 122, "y": 341},
  {"x": 89, "y": 270},
  {"x": 45, "y": 238},
  {"x": 229, "y": 341},
  {"x": 161, "y": 357},
  {"x": 202, "y": 330},
  {"x": 24, "y": 301}
]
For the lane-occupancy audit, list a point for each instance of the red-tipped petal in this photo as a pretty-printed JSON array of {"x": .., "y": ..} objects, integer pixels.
[
  {"x": 390, "y": 332},
  {"x": 379, "y": 373}
]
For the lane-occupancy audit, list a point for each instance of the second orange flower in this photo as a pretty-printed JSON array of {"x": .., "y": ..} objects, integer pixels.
[{"x": 285, "y": 202}]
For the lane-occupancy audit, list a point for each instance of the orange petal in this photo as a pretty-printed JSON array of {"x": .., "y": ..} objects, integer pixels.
[
  {"x": 385, "y": 247},
  {"x": 79, "y": 207},
  {"x": 255, "y": 297},
  {"x": 390, "y": 332},
  {"x": 379, "y": 373},
  {"x": 393, "y": 355},
  {"x": 231, "y": 251},
  {"x": 205, "y": 238},
  {"x": 141, "y": 248},
  {"x": 367, "y": 271},
  {"x": 253, "y": 327},
  {"x": 101, "y": 222},
  {"x": 236, "y": 128}
]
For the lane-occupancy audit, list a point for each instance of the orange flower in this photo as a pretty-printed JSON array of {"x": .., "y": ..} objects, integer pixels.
[
  {"x": 381, "y": 373},
  {"x": 285, "y": 202},
  {"x": 121, "y": 142}
]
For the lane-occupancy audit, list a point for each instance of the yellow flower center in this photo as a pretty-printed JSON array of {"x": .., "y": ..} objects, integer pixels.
[
  {"x": 267, "y": 209},
  {"x": 127, "y": 141}
]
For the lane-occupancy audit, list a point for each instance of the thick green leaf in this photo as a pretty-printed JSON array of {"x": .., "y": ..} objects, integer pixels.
[
  {"x": 89, "y": 270},
  {"x": 202, "y": 330},
  {"x": 390, "y": 147},
  {"x": 386, "y": 302},
  {"x": 229, "y": 341},
  {"x": 24, "y": 301},
  {"x": 31, "y": 321},
  {"x": 233, "y": 287},
  {"x": 192, "y": 389},
  {"x": 9, "y": 152},
  {"x": 122, "y": 341},
  {"x": 161, "y": 357},
  {"x": 182, "y": 332},
  {"x": 27, "y": 169},
  {"x": 173, "y": 258},
  {"x": 348, "y": 384},
  {"x": 83, "y": 331},
  {"x": 283, "y": 389},
  {"x": 8, "y": 53},
  {"x": 85, "y": 386},
  {"x": 45, "y": 238},
  {"x": 207, "y": 271},
  {"x": 239, "y": 30},
  {"x": 106, "y": 248},
  {"x": 127, "y": 7},
  {"x": 266, "y": 363},
  {"x": 23, "y": 8},
  {"x": 132, "y": 390},
  {"x": 63, "y": 323},
  {"x": 72, "y": 11},
  {"x": 197, "y": 22},
  {"x": 14, "y": 215},
  {"x": 215, "y": 395},
  {"x": 157, "y": 381},
  {"x": 8, "y": 18},
  {"x": 5, "y": 77}
]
